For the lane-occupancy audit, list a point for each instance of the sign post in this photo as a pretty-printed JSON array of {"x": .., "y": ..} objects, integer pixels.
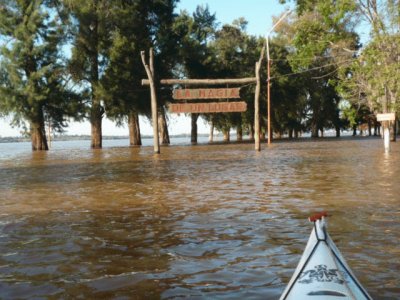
[
  {"x": 386, "y": 119},
  {"x": 206, "y": 93},
  {"x": 153, "y": 95}
]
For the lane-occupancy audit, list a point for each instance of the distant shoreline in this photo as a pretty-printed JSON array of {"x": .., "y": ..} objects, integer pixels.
[{"x": 87, "y": 137}]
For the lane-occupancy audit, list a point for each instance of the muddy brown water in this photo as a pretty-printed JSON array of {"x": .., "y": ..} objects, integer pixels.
[{"x": 204, "y": 222}]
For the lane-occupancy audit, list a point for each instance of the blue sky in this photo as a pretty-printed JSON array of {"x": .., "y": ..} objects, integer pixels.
[{"x": 258, "y": 13}]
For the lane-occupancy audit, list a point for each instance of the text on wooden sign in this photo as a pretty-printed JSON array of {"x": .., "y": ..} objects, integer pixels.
[
  {"x": 214, "y": 107},
  {"x": 185, "y": 94}
]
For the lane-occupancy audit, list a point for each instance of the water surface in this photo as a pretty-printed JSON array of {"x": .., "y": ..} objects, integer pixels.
[{"x": 210, "y": 221}]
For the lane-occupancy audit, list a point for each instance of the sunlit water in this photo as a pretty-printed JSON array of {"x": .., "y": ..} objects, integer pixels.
[{"x": 202, "y": 222}]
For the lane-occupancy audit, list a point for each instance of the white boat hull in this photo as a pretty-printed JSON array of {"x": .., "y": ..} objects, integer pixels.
[{"x": 322, "y": 273}]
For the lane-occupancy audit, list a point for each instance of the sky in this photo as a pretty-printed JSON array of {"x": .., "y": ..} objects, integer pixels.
[{"x": 259, "y": 15}]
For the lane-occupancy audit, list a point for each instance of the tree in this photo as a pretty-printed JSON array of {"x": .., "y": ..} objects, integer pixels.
[
  {"x": 193, "y": 34},
  {"x": 376, "y": 70},
  {"x": 91, "y": 33},
  {"x": 366, "y": 75},
  {"x": 32, "y": 75},
  {"x": 137, "y": 25},
  {"x": 235, "y": 57},
  {"x": 124, "y": 96},
  {"x": 324, "y": 41}
]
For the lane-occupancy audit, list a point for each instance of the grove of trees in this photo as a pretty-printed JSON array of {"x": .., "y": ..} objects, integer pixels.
[{"x": 63, "y": 60}]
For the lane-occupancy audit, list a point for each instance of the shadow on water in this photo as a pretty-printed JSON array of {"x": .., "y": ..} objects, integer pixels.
[{"x": 211, "y": 221}]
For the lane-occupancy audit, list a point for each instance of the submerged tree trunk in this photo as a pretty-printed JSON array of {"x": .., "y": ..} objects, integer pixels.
[
  {"x": 211, "y": 137},
  {"x": 251, "y": 133},
  {"x": 239, "y": 133},
  {"x": 227, "y": 136},
  {"x": 314, "y": 130},
  {"x": 337, "y": 129},
  {"x": 134, "y": 129},
  {"x": 163, "y": 127},
  {"x": 290, "y": 133},
  {"x": 96, "y": 125},
  {"x": 393, "y": 131},
  {"x": 97, "y": 111},
  {"x": 38, "y": 133},
  {"x": 263, "y": 136},
  {"x": 193, "y": 134},
  {"x": 369, "y": 127},
  {"x": 354, "y": 130}
]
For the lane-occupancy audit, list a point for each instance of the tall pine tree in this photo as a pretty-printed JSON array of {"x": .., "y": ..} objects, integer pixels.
[
  {"x": 32, "y": 88},
  {"x": 91, "y": 31}
]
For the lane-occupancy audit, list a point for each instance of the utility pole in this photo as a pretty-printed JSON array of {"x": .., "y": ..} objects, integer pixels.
[{"x": 269, "y": 75}]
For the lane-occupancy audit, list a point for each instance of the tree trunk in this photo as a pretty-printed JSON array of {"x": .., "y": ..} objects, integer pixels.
[
  {"x": 96, "y": 125},
  {"x": 251, "y": 133},
  {"x": 211, "y": 137},
  {"x": 193, "y": 133},
  {"x": 393, "y": 131},
  {"x": 134, "y": 129},
  {"x": 290, "y": 133},
  {"x": 263, "y": 136},
  {"x": 38, "y": 135},
  {"x": 314, "y": 130},
  {"x": 239, "y": 133},
  {"x": 163, "y": 127},
  {"x": 227, "y": 136},
  {"x": 337, "y": 129},
  {"x": 354, "y": 130},
  {"x": 369, "y": 127},
  {"x": 96, "y": 114}
]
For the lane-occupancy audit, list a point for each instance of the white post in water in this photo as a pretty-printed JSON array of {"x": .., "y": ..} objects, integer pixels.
[
  {"x": 386, "y": 137},
  {"x": 386, "y": 118}
]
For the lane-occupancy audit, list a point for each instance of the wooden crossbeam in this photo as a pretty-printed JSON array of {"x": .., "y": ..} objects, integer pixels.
[{"x": 204, "y": 81}]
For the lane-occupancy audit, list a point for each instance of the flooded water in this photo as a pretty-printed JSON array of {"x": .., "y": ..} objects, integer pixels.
[{"x": 204, "y": 222}]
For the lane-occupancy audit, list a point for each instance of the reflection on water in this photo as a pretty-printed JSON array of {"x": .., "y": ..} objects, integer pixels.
[{"x": 219, "y": 221}]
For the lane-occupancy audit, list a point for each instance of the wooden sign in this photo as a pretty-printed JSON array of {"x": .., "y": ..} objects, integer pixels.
[
  {"x": 214, "y": 107},
  {"x": 385, "y": 117},
  {"x": 187, "y": 94}
]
